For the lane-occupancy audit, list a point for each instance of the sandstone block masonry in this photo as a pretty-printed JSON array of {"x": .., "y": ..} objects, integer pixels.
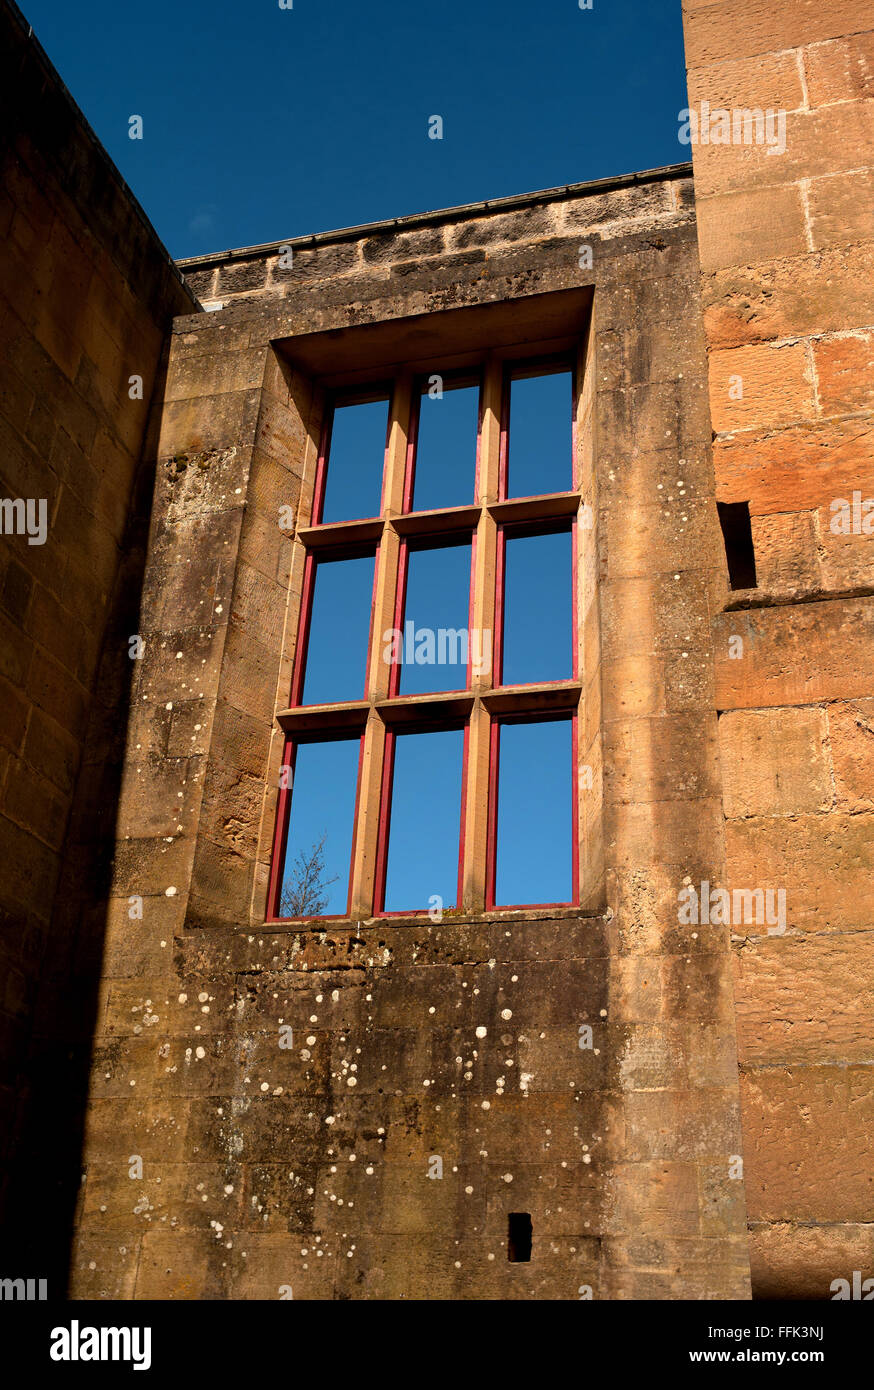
[
  {"x": 786, "y": 248},
  {"x": 213, "y": 1104},
  {"x": 87, "y": 294},
  {"x": 267, "y": 1168}
]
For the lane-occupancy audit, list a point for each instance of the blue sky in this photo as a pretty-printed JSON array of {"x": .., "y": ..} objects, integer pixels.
[{"x": 261, "y": 123}]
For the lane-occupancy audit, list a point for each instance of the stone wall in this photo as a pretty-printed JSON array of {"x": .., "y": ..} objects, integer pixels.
[
  {"x": 87, "y": 294},
  {"x": 787, "y": 256},
  {"x": 262, "y": 1168}
]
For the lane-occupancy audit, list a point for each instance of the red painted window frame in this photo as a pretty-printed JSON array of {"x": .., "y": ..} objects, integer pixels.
[
  {"x": 382, "y": 390},
  {"x": 450, "y": 379},
  {"x": 532, "y": 717},
  {"x": 283, "y": 822},
  {"x": 378, "y": 392},
  {"x": 328, "y": 555},
  {"x": 422, "y": 726},
  {"x": 443, "y": 540},
  {"x": 519, "y": 530},
  {"x": 527, "y": 367}
]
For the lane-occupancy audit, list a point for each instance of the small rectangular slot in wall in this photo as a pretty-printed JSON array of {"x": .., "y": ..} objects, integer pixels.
[
  {"x": 737, "y": 535},
  {"x": 519, "y": 1237}
]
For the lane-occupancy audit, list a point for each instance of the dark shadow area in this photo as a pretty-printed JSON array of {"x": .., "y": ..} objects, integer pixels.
[
  {"x": 519, "y": 1237},
  {"x": 45, "y": 1177},
  {"x": 737, "y": 534}
]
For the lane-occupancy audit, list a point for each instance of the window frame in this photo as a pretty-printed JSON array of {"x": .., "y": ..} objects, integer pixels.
[
  {"x": 483, "y": 703},
  {"x": 334, "y": 554},
  {"x": 520, "y": 530},
  {"x": 458, "y": 378},
  {"x": 522, "y": 370},
  {"x": 445, "y": 540},
  {"x": 497, "y": 723},
  {"x": 283, "y": 822},
  {"x": 423, "y": 726},
  {"x": 378, "y": 391}
]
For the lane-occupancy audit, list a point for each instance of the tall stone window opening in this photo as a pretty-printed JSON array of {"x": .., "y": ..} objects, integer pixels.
[{"x": 431, "y": 755}]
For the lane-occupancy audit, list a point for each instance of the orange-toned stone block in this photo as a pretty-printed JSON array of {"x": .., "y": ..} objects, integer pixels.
[
  {"x": 846, "y": 561},
  {"x": 799, "y": 467},
  {"x": 787, "y": 557},
  {"x": 805, "y": 1000},
  {"x": 821, "y": 293},
  {"x": 758, "y": 386},
  {"x": 851, "y": 739},
  {"x": 801, "y": 1262},
  {"x": 796, "y": 145},
  {"x": 790, "y": 1113},
  {"x": 774, "y": 762},
  {"x": 767, "y": 80},
  {"x": 774, "y": 665},
  {"x": 842, "y": 70},
  {"x": 841, "y": 208},
  {"x": 824, "y": 863},
  {"x": 717, "y": 33},
  {"x": 845, "y": 373},
  {"x": 744, "y": 228}
]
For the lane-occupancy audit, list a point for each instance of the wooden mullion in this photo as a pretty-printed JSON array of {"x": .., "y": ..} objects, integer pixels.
[
  {"x": 482, "y": 618},
  {"x": 378, "y": 671}
]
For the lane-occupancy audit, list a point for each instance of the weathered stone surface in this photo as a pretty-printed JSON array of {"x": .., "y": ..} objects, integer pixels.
[
  {"x": 464, "y": 1040},
  {"x": 88, "y": 294},
  {"x": 774, "y": 762},
  {"x": 785, "y": 239},
  {"x": 798, "y": 1001},
  {"x": 290, "y": 1088}
]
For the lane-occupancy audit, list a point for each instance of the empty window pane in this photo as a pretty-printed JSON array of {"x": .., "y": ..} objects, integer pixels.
[
  {"x": 538, "y": 609},
  {"x": 422, "y": 869},
  {"x": 534, "y": 859},
  {"x": 445, "y": 465},
  {"x": 353, "y": 485},
  {"x": 540, "y": 442},
  {"x": 336, "y": 655},
  {"x": 432, "y": 648},
  {"x": 315, "y": 877}
]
